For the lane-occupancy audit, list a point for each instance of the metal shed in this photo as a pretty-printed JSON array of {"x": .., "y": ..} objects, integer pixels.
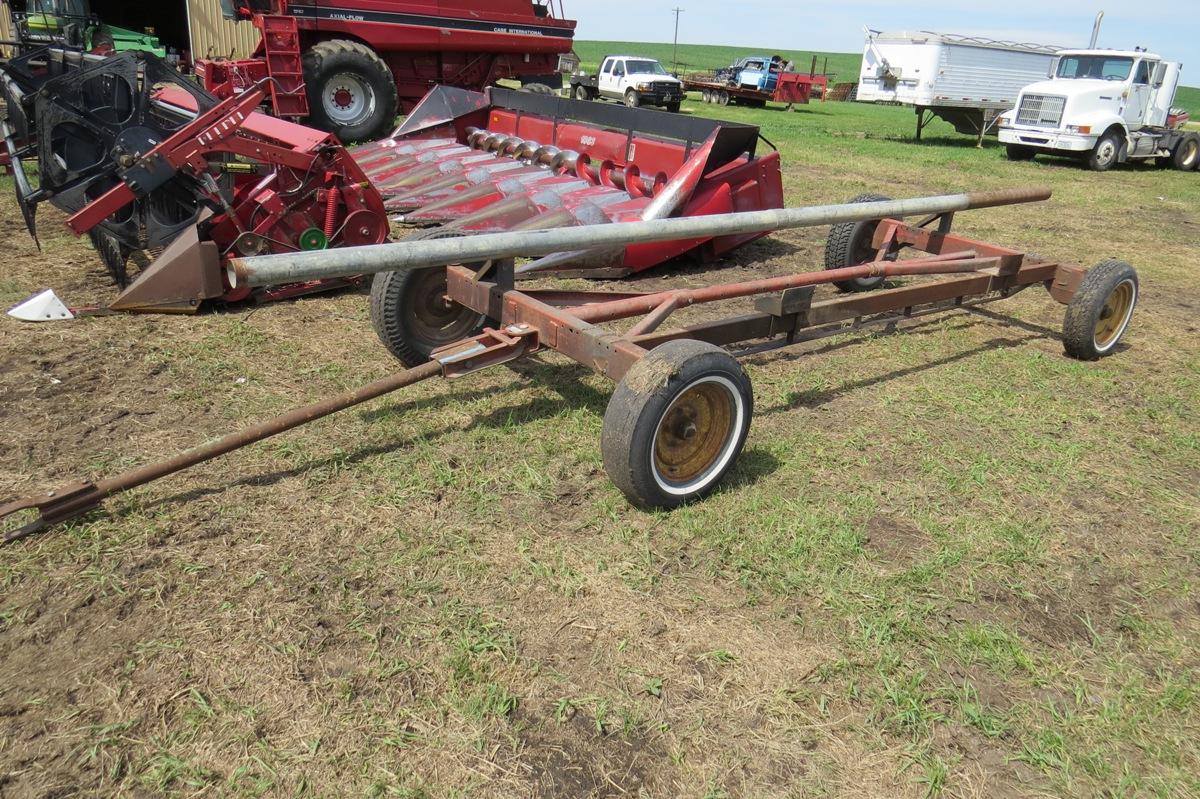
[{"x": 212, "y": 36}]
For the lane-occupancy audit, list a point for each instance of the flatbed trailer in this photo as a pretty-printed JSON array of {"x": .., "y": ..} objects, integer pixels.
[{"x": 791, "y": 88}]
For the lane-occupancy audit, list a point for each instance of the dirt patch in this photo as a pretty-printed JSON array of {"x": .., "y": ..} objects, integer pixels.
[{"x": 898, "y": 543}]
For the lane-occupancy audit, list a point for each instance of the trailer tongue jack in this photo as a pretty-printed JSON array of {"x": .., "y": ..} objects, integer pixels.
[{"x": 682, "y": 407}]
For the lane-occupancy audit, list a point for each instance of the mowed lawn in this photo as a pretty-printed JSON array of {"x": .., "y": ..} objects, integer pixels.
[{"x": 951, "y": 561}]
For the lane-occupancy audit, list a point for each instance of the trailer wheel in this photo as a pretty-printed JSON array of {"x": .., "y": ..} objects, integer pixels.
[
  {"x": 1019, "y": 152},
  {"x": 849, "y": 244},
  {"x": 581, "y": 92},
  {"x": 707, "y": 95},
  {"x": 1099, "y": 313},
  {"x": 410, "y": 311},
  {"x": 631, "y": 99},
  {"x": 723, "y": 97},
  {"x": 1187, "y": 153},
  {"x": 676, "y": 423},
  {"x": 1106, "y": 153},
  {"x": 351, "y": 91}
]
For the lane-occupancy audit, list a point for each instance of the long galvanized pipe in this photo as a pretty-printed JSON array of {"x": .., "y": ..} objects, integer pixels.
[{"x": 267, "y": 270}]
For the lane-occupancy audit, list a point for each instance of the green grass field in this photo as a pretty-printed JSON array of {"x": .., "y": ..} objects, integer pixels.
[
  {"x": 840, "y": 66},
  {"x": 950, "y": 562}
]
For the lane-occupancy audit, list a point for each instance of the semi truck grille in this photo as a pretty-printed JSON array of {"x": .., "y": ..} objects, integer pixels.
[{"x": 1041, "y": 110}]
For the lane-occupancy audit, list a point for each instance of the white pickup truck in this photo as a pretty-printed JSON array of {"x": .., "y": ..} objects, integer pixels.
[
  {"x": 630, "y": 79},
  {"x": 1105, "y": 107}
]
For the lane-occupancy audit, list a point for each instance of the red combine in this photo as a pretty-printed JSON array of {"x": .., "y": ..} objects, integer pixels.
[{"x": 350, "y": 66}]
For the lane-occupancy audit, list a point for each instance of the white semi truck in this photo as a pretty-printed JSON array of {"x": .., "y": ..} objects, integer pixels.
[{"x": 1105, "y": 107}]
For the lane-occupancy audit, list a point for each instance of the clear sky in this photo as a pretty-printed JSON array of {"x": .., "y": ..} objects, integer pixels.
[{"x": 1170, "y": 28}]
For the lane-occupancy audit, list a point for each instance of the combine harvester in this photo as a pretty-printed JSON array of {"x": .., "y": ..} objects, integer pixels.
[{"x": 682, "y": 407}]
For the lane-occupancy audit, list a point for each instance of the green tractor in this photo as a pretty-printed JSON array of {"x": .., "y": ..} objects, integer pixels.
[{"x": 71, "y": 22}]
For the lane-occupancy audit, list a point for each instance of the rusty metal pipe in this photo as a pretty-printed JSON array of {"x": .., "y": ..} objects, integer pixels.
[
  {"x": 657, "y": 308},
  {"x": 75, "y": 500},
  {"x": 298, "y": 267}
]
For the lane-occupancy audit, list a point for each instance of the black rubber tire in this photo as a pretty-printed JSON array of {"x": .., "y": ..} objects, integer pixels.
[
  {"x": 643, "y": 399},
  {"x": 631, "y": 99},
  {"x": 723, "y": 98},
  {"x": 672, "y": 107},
  {"x": 325, "y": 60},
  {"x": 102, "y": 39},
  {"x": 581, "y": 92},
  {"x": 1107, "y": 152},
  {"x": 1186, "y": 154},
  {"x": 394, "y": 296},
  {"x": 1090, "y": 302},
  {"x": 539, "y": 88},
  {"x": 846, "y": 244},
  {"x": 1019, "y": 152},
  {"x": 706, "y": 96}
]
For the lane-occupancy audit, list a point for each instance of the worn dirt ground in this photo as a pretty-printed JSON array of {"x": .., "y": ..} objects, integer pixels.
[{"x": 949, "y": 561}]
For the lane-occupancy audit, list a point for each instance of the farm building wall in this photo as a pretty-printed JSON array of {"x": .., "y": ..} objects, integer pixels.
[
  {"x": 213, "y": 36},
  {"x": 7, "y": 33}
]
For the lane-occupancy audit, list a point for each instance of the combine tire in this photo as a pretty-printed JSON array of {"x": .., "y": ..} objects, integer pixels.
[
  {"x": 676, "y": 423},
  {"x": 1099, "y": 313},
  {"x": 1019, "y": 152},
  {"x": 849, "y": 244},
  {"x": 410, "y": 312},
  {"x": 1106, "y": 154},
  {"x": 351, "y": 92},
  {"x": 1187, "y": 153},
  {"x": 631, "y": 99}
]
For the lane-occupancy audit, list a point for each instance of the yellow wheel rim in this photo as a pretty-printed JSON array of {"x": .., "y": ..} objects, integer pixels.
[
  {"x": 696, "y": 434},
  {"x": 1114, "y": 315}
]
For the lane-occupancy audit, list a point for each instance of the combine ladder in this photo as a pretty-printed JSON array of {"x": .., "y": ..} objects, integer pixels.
[{"x": 281, "y": 46}]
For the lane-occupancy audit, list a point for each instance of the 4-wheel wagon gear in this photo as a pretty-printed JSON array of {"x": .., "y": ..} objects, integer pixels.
[
  {"x": 683, "y": 405},
  {"x": 142, "y": 160}
]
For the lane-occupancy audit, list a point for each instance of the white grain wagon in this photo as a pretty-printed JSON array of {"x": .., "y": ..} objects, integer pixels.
[{"x": 967, "y": 81}]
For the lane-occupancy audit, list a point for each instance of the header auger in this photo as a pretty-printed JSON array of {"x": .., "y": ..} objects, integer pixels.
[{"x": 683, "y": 405}]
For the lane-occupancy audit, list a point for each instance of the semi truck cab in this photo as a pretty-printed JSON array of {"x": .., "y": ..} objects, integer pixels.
[{"x": 1105, "y": 106}]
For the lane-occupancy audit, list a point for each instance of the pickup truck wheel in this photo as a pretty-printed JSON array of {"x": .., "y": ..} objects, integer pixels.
[
  {"x": 581, "y": 92},
  {"x": 631, "y": 99},
  {"x": 672, "y": 107},
  {"x": 351, "y": 91},
  {"x": 1187, "y": 153},
  {"x": 849, "y": 244},
  {"x": 1104, "y": 156},
  {"x": 1019, "y": 152}
]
